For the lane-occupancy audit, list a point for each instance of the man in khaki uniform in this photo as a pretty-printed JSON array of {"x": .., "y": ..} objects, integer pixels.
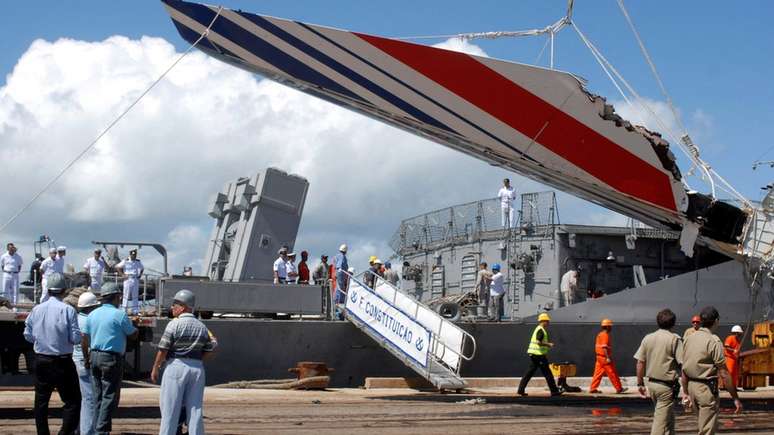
[
  {"x": 695, "y": 325},
  {"x": 703, "y": 363},
  {"x": 658, "y": 359}
]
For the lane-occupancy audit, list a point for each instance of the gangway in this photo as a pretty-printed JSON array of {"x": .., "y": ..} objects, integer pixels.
[{"x": 423, "y": 340}]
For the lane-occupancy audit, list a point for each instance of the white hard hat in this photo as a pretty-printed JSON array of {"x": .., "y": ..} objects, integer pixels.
[
  {"x": 351, "y": 270},
  {"x": 378, "y": 261},
  {"x": 87, "y": 299},
  {"x": 737, "y": 328},
  {"x": 61, "y": 248},
  {"x": 343, "y": 248}
]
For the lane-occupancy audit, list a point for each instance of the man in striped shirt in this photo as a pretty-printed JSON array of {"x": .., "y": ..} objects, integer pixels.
[{"x": 184, "y": 344}]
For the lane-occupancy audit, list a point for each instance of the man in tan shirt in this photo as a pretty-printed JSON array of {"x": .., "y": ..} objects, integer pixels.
[
  {"x": 658, "y": 359},
  {"x": 703, "y": 363}
]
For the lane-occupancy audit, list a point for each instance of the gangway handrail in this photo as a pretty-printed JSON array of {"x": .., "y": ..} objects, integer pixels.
[
  {"x": 436, "y": 337},
  {"x": 443, "y": 320}
]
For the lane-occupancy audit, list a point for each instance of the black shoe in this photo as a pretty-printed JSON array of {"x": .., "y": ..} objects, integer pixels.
[
  {"x": 556, "y": 393},
  {"x": 523, "y": 394}
]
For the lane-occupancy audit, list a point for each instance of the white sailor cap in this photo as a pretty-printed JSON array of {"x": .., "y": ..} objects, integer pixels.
[
  {"x": 52, "y": 251},
  {"x": 61, "y": 248}
]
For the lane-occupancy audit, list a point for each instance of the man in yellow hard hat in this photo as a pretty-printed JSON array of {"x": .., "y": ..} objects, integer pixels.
[
  {"x": 539, "y": 345},
  {"x": 604, "y": 365}
]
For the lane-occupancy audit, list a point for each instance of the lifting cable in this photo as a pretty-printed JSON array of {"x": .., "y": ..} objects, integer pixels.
[{"x": 93, "y": 143}]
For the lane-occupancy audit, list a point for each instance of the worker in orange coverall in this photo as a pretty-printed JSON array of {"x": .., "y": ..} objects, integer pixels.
[
  {"x": 604, "y": 364},
  {"x": 731, "y": 348}
]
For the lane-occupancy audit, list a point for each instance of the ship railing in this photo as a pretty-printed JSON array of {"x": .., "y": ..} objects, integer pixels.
[{"x": 448, "y": 341}]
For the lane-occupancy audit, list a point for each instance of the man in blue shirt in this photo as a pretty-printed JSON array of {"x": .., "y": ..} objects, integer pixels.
[
  {"x": 104, "y": 344},
  {"x": 342, "y": 279},
  {"x": 52, "y": 327}
]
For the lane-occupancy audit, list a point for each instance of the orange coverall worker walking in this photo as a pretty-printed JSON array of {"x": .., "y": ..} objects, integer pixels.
[
  {"x": 604, "y": 364},
  {"x": 731, "y": 348}
]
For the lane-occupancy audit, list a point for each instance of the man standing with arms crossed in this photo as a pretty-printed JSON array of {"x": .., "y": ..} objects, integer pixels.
[
  {"x": 52, "y": 327},
  {"x": 132, "y": 270},
  {"x": 183, "y": 346},
  {"x": 658, "y": 359},
  {"x": 11, "y": 264},
  {"x": 104, "y": 343},
  {"x": 95, "y": 267},
  {"x": 703, "y": 364}
]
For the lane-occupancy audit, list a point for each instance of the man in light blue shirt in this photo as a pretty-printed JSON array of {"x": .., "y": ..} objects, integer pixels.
[
  {"x": 52, "y": 328},
  {"x": 342, "y": 279},
  {"x": 104, "y": 343}
]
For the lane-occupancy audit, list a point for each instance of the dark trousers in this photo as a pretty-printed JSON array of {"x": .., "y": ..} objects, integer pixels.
[
  {"x": 57, "y": 372},
  {"x": 542, "y": 362},
  {"x": 107, "y": 371}
]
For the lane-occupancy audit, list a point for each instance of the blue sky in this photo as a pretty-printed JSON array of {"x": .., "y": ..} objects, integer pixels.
[{"x": 714, "y": 59}]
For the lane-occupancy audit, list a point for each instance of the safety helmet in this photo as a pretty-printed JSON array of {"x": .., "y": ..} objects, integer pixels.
[
  {"x": 496, "y": 266},
  {"x": 61, "y": 248},
  {"x": 543, "y": 317},
  {"x": 185, "y": 297},
  {"x": 387, "y": 264},
  {"x": 377, "y": 261},
  {"x": 607, "y": 322},
  {"x": 109, "y": 289},
  {"x": 56, "y": 283},
  {"x": 343, "y": 248},
  {"x": 87, "y": 299},
  {"x": 695, "y": 319},
  {"x": 737, "y": 328},
  {"x": 372, "y": 259}
]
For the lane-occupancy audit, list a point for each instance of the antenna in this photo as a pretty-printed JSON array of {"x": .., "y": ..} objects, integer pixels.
[{"x": 762, "y": 163}]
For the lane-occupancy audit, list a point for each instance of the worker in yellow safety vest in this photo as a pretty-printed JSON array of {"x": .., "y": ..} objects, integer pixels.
[{"x": 539, "y": 345}]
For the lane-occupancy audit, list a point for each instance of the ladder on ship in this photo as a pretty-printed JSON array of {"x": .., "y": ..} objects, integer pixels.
[{"x": 423, "y": 340}]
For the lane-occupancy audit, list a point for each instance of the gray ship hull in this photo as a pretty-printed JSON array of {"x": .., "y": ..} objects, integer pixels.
[{"x": 255, "y": 349}]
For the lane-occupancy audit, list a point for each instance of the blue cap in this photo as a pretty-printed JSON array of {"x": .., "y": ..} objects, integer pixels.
[{"x": 496, "y": 266}]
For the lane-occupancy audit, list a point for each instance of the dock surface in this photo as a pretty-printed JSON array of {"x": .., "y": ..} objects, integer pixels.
[{"x": 402, "y": 411}]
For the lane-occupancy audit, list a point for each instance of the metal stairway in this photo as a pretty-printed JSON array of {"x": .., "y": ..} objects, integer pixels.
[{"x": 447, "y": 341}]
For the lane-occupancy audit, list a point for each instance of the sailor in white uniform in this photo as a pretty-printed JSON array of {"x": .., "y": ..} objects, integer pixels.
[
  {"x": 507, "y": 197},
  {"x": 95, "y": 267},
  {"x": 11, "y": 264},
  {"x": 53, "y": 264},
  {"x": 132, "y": 270}
]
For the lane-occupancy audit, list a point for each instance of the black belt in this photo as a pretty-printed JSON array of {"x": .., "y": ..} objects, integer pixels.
[
  {"x": 65, "y": 356},
  {"x": 15, "y": 273},
  {"x": 107, "y": 351}
]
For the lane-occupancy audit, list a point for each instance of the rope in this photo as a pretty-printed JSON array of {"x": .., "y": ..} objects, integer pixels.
[
  {"x": 93, "y": 143},
  {"x": 601, "y": 59},
  {"x": 652, "y": 67}
]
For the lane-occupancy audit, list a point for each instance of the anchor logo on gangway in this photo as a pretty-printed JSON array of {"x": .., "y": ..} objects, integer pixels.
[
  {"x": 420, "y": 344},
  {"x": 353, "y": 296}
]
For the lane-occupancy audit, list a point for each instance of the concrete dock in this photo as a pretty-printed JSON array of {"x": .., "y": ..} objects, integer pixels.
[{"x": 403, "y": 411}]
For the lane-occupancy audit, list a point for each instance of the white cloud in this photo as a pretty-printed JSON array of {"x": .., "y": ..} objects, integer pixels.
[
  {"x": 463, "y": 46},
  {"x": 207, "y": 123}
]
